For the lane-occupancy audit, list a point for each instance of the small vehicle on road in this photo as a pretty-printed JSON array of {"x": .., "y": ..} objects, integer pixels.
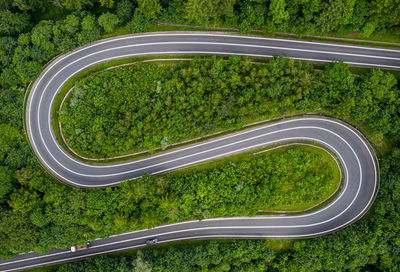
[
  {"x": 152, "y": 241},
  {"x": 81, "y": 247}
]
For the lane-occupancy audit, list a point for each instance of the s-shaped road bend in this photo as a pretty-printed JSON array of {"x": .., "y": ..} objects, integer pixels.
[{"x": 357, "y": 158}]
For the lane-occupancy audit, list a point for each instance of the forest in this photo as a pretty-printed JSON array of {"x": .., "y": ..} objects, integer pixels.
[
  {"x": 32, "y": 32},
  {"x": 319, "y": 17}
]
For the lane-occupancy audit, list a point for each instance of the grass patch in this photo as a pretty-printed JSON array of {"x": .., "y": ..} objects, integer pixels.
[
  {"x": 124, "y": 30},
  {"x": 387, "y": 36}
]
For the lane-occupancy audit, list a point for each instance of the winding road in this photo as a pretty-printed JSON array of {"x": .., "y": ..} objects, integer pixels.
[{"x": 360, "y": 169}]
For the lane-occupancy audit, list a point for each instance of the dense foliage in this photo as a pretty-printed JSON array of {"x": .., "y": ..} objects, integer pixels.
[
  {"x": 147, "y": 105},
  {"x": 26, "y": 41},
  {"x": 300, "y": 16},
  {"x": 37, "y": 212},
  {"x": 242, "y": 255}
]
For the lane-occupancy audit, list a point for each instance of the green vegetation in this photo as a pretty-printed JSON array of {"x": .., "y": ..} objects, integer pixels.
[
  {"x": 321, "y": 17},
  {"x": 152, "y": 105},
  {"x": 39, "y": 213},
  {"x": 81, "y": 21},
  {"x": 242, "y": 255}
]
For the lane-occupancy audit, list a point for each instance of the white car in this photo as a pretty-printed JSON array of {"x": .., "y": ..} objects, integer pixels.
[{"x": 82, "y": 247}]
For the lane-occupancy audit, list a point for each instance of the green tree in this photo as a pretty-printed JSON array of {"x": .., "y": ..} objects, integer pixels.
[
  {"x": 17, "y": 234},
  {"x": 278, "y": 12},
  {"x": 340, "y": 87},
  {"x": 38, "y": 218},
  {"x": 28, "y": 5},
  {"x": 124, "y": 10},
  {"x": 90, "y": 30},
  {"x": 5, "y": 4},
  {"x": 140, "y": 263},
  {"x": 149, "y": 8},
  {"x": 41, "y": 36},
  {"x": 226, "y": 8},
  {"x": 200, "y": 11},
  {"x": 23, "y": 200},
  {"x": 71, "y": 24},
  {"x": 88, "y": 23},
  {"x": 108, "y": 21},
  {"x": 368, "y": 29},
  {"x": 8, "y": 78},
  {"x": 107, "y": 3},
  {"x": 13, "y": 149},
  {"x": 28, "y": 71},
  {"x": 378, "y": 101},
  {"x": 385, "y": 13},
  {"x": 75, "y": 4},
  {"x": 139, "y": 23},
  {"x": 13, "y": 23},
  {"x": 6, "y": 182},
  {"x": 252, "y": 16},
  {"x": 24, "y": 39},
  {"x": 335, "y": 14}
]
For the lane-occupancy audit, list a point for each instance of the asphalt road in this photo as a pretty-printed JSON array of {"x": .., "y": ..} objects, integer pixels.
[{"x": 360, "y": 169}]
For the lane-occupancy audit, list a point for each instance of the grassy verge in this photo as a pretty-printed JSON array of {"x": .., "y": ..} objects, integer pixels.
[{"x": 123, "y": 30}]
